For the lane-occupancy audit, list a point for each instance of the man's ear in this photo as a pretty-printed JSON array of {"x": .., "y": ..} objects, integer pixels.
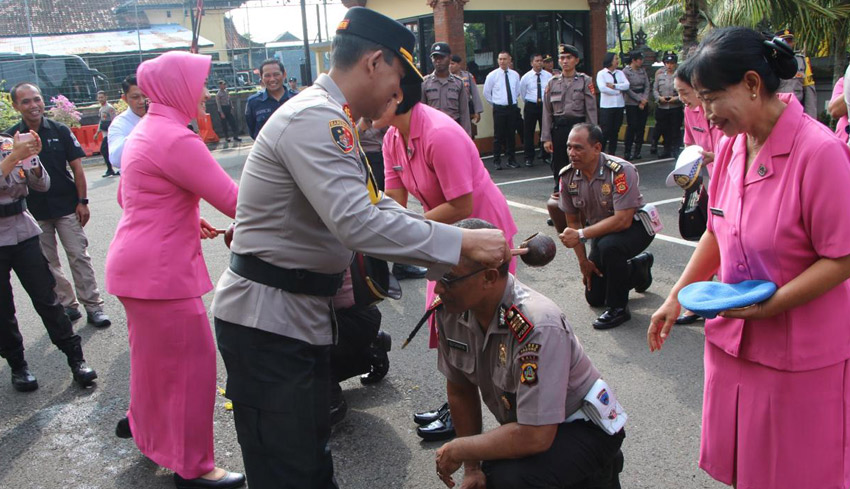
[
  {"x": 491, "y": 276},
  {"x": 372, "y": 59}
]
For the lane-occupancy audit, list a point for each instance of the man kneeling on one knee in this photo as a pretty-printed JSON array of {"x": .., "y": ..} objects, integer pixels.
[
  {"x": 515, "y": 346},
  {"x": 600, "y": 196}
]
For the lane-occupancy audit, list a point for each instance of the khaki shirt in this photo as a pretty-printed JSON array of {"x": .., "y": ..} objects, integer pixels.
[
  {"x": 529, "y": 365},
  {"x": 472, "y": 88},
  {"x": 663, "y": 87},
  {"x": 638, "y": 86},
  {"x": 610, "y": 190},
  {"x": 222, "y": 99},
  {"x": 450, "y": 96},
  {"x": 303, "y": 204},
  {"x": 15, "y": 186},
  {"x": 571, "y": 97}
]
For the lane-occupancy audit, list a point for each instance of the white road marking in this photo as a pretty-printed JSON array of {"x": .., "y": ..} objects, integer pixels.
[
  {"x": 549, "y": 177},
  {"x": 662, "y": 237}
]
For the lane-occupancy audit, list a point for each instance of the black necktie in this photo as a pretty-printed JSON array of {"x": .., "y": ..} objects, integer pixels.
[
  {"x": 539, "y": 90},
  {"x": 508, "y": 86},
  {"x": 614, "y": 74}
]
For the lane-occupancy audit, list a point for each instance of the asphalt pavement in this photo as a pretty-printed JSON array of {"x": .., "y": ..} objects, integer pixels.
[{"x": 61, "y": 436}]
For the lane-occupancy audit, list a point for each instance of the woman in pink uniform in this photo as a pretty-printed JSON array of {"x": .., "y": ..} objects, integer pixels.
[
  {"x": 776, "y": 409},
  {"x": 838, "y": 110},
  {"x": 156, "y": 268},
  {"x": 429, "y": 155}
]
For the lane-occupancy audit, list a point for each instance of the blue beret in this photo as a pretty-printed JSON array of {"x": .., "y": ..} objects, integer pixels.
[{"x": 709, "y": 298}]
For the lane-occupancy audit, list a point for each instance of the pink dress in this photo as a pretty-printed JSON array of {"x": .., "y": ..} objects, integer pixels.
[
  {"x": 439, "y": 164},
  {"x": 776, "y": 410},
  {"x": 156, "y": 268},
  {"x": 699, "y": 131},
  {"x": 841, "y": 126}
]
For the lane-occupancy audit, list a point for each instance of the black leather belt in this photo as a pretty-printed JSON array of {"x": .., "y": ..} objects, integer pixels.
[
  {"x": 13, "y": 209},
  {"x": 295, "y": 281}
]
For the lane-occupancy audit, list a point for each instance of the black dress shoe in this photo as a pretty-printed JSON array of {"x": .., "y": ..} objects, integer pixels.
[
  {"x": 512, "y": 164},
  {"x": 401, "y": 271},
  {"x": 83, "y": 374},
  {"x": 636, "y": 157},
  {"x": 122, "y": 429},
  {"x": 23, "y": 380},
  {"x": 73, "y": 313},
  {"x": 428, "y": 417},
  {"x": 441, "y": 429},
  {"x": 549, "y": 222},
  {"x": 231, "y": 480},
  {"x": 642, "y": 274},
  {"x": 612, "y": 318},
  {"x": 379, "y": 359},
  {"x": 653, "y": 150},
  {"x": 688, "y": 318},
  {"x": 529, "y": 163}
]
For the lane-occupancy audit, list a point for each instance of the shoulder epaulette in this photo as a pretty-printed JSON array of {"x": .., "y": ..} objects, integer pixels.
[
  {"x": 613, "y": 165},
  {"x": 519, "y": 325},
  {"x": 565, "y": 169}
]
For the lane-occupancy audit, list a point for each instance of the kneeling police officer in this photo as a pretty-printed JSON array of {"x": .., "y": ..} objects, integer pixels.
[
  {"x": 600, "y": 196},
  {"x": 514, "y": 346}
]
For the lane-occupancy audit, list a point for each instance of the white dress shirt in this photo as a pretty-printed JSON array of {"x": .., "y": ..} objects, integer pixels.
[
  {"x": 611, "y": 97},
  {"x": 120, "y": 128},
  {"x": 528, "y": 85},
  {"x": 494, "y": 87}
]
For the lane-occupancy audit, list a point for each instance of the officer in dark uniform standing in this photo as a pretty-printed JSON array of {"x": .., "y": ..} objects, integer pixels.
[
  {"x": 600, "y": 196},
  {"x": 512, "y": 346},
  {"x": 637, "y": 105},
  {"x": 306, "y": 199},
  {"x": 445, "y": 91},
  {"x": 803, "y": 83}
]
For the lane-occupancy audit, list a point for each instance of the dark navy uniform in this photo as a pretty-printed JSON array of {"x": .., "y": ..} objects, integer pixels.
[{"x": 260, "y": 106}]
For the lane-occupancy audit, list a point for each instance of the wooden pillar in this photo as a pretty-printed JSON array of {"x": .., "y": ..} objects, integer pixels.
[
  {"x": 598, "y": 35},
  {"x": 448, "y": 26}
]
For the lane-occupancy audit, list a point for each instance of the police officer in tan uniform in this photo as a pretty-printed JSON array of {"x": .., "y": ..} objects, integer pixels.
[
  {"x": 803, "y": 83},
  {"x": 475, "y": 105},
  {"x": 600, "y": 196},
  {"x": 516, "y": 348},
  {"x": 669, "y": 113},
  {"x": 445, "y": 91},
  {"x": 569, "y": 99},
  {"x": 306, "y": 199}
]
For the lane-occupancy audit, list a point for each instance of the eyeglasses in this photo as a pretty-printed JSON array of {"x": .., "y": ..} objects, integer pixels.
[{"x": 448, "y": 280}]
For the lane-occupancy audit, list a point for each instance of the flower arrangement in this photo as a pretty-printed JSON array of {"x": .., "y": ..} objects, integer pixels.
[
  {"x": 8, "y": 115},
  {"x": 120, "y": 106},
  {"x": 64, "y": 111}
]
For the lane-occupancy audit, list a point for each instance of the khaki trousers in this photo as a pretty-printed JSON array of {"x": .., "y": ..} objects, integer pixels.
[{"x": 75, "y": 242}]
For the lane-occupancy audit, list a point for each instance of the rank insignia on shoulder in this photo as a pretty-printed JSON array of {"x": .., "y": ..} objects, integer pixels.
[
  {"x": 613, "y": 166},
  {"x": 621, "y": 184},
  {"x": 341, "y": 135},
  {"x": 565, "y": 169},
  {"x": 530, "y": 348},
  {"x": 519, "y": 325},
  {"x": 529, "y": 373}
]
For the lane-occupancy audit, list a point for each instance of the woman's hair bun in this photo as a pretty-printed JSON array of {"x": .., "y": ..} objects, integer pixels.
[{"x": 781, "y": 58}]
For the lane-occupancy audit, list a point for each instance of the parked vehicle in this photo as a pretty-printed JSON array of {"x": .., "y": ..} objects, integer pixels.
[{"x": 68, "y": 75}]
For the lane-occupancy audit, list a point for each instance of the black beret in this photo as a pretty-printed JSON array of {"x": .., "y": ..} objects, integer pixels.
[
  {"x": 568, "y": 49},
  {"x": 380, "y": 29}
]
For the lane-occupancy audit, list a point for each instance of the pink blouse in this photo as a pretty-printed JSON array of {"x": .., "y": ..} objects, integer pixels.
[
  {"x": 841, "y": 126},
  {"x": 772, "y": 223}
]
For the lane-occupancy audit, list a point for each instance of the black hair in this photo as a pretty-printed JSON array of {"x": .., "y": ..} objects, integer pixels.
[
  {"x": 222, "y": 81},
  {"x": 685, "y": 71},
  {"x": 609, "y": 58},
  {"x": 594, "y": 132},
  {"x": 727, "y": 54},
  {"x": 14, "y": 91},
  {"x": 128, "y": 82},
  {"x": 476, "y": 223},
  {"x": 635, "y": 55},
  {"x": 534, "y": 55},
  {"x": 346, "y": 51},
  {"x": 412, "y": 93},
  {"x": 272, "y": 61},
  {"x": 456, "y": 58}
]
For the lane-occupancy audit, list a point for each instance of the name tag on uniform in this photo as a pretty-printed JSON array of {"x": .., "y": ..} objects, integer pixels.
[
  {"x": 698, "y": 129},
  {"x": 396, "y": 168},
  {"x": 717, "y": 212},
  {"x": 457, "y": 345}
]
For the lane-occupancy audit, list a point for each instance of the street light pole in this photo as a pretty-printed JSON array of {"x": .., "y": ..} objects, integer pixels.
[
  {"x": 32, "y": 43},
  {"x": 308, "y": 65}
]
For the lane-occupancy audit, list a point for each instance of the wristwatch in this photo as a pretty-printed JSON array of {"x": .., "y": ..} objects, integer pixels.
[
  {"x": 581, "y": 236},
  {"x": 84, "y": 201}
]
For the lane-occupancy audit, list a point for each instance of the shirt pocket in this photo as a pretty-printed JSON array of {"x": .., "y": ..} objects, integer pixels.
[
  {"x": 578, "y": 94},
  {"x": 578, "y": 202},
  {"x": 556, "y": 96},
  {"x": 462, "y": 360},
  {"x": 453, "y": 98}
]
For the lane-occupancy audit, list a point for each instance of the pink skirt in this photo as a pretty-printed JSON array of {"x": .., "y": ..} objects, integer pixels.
[
  {"x": 766, "y": 428},
  {"x": 172, "y": 383}
]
